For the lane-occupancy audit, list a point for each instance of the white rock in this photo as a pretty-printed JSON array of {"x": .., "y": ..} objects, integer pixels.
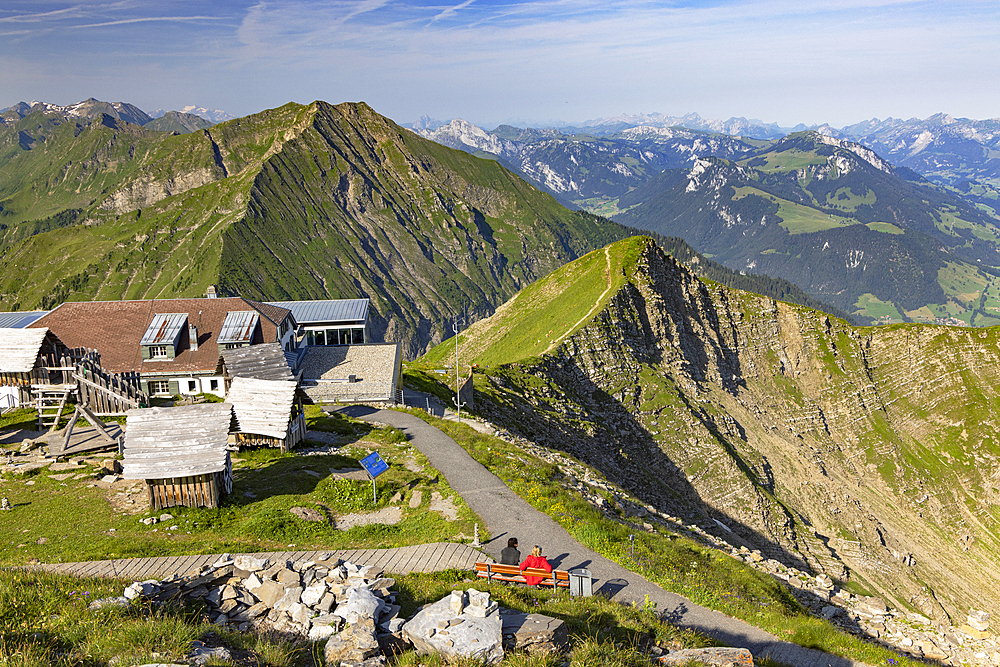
[
  {"x": 252, "y": 583},
  {"x": 313, "y": 594},
  {"x": 166, "y": 517},
  {"x": 249, "y": 563},
  {"x": 361, "y": 603},
  {"x": 436, "y": 629},
  {"x": 320, "y": 632}
]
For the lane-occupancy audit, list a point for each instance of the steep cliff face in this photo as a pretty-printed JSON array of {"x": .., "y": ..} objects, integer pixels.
[{"x": 867, "y": 453}]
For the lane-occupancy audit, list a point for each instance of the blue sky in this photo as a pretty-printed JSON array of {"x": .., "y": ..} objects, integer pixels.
[{"x": 787, "y": 61}]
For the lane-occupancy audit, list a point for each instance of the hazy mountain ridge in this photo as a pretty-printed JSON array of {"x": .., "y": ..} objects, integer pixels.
[
  {"x": 578, "y": 167},
  {"x": 183, "y": 121},
  {"x": 851, "y": 451},
  {"x": 837, "y": 220}
]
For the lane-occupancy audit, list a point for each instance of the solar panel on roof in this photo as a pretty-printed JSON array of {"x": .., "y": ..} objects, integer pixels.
[
  {"x": 239, "y": 326},
  {"x": 20, "y": 320},
  {"x": 164, "y": 329}
]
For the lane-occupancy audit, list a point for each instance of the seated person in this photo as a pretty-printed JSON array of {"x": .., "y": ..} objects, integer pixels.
[
  {"x": 510, "y": 555},
  {"x": 536, "y": 560}
]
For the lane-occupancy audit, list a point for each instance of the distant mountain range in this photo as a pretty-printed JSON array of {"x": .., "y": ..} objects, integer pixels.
[
  {"x": 837, "y": 220},
  {"x": 187, "y": 120}
]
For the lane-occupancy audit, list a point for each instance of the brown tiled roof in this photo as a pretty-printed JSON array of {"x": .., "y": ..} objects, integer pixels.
[
  {"x": 114, "y": 328},
  {"x": 274, "y": 313}
]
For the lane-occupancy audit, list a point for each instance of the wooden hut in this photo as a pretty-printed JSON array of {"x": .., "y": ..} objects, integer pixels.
[
  {"x": 267, "y": 413},
  {"x": 181, "y": 453},
  {"x": 30, "y": 359}
]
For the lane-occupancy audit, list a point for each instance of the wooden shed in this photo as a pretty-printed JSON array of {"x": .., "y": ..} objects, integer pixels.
[
  {"x": 267, "y": 413},
  {"x": 181, "y": 453},
  {"x": 28, "y": 357}
]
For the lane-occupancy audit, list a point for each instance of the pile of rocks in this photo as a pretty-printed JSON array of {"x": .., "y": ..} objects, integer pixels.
[
  {"x": 352, "y": 608},
  {"x": 907, "y": 632}
]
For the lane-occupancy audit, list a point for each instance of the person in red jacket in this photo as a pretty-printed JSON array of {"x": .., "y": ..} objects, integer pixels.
[{"x": 537, "y": 560}]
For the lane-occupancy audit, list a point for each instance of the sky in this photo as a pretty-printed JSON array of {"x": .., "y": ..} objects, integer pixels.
[{"x": 534, "y": 62}]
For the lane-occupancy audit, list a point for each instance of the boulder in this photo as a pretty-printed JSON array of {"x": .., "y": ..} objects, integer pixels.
[
  {"x": 438, "y": 629},
  {"x": 533, "y": 633},
  {"x": 356, "y": 643},
  {"x": 716, "y": 657},
  {"x": 979, "y": 620},
  {"x": 269, "y": 592},
  {"x": 361, "y": 604},
  {"x": 250, "y": 563},
  {"x": 312, "y": 595}
]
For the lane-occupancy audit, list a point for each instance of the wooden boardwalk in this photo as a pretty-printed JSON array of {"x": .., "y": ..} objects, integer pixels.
[{"x": 401, "y": 560}]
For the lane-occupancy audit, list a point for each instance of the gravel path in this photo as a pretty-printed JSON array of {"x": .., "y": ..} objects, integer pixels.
[{"x": 507, "y": 515}]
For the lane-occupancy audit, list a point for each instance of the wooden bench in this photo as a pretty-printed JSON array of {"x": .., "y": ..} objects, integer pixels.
[{"x": 512, "y": 574}]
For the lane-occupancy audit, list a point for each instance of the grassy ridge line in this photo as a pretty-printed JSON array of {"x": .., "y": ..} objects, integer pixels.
[
  {"x": 678, "y": 564},
  {"x": 547, "y": 310}
]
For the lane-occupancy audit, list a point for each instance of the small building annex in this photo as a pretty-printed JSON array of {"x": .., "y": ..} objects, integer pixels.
[
  {"x": 27, "y": 357},
  {"x": 352, "y": 374},
  {"x": 174, "y": 344},
  {"x": 330, "y": 322},
  {"x": 181, "y": 453}
]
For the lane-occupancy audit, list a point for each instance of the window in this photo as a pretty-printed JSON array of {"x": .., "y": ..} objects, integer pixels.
[
  {"x": 157, "y": 351},
  {"x": 233, "y": 346},
  {"x": 193, "y": 386},
  {"x": 159, "y": 387},
  {"x": 359, "y": 336},
  {"x": 213, "y": 385}
]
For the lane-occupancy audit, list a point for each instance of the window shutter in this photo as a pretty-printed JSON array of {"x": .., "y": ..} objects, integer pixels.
[
  {"x": 174, "y": 388},
  {"x": 145, "y": 352}
]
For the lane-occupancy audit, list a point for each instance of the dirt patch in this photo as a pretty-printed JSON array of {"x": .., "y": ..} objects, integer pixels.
[
  {"x": 127, "y": 497},
  {"x": 386, "y": 515},
  {"x": 444, "y": 506}
]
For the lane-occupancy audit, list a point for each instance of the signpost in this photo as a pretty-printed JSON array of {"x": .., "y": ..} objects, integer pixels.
[{"x": 374, "y": 466}]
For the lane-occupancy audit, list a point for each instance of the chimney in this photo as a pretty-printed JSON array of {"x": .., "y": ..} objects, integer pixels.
[
  {"x": 210, "y": 292},
  {"x": 193, "y": 338}
]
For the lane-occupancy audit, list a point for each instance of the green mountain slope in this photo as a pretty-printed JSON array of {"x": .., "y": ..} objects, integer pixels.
[
  {"x": 833, "y": 218},
  {"x": 866, "y": 453},
  {"x": 299, "y": 202},
  {"x": 176, "y": 121}
]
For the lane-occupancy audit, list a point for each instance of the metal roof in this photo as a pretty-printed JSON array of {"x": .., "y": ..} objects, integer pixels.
[
  {"x": 164, "y": 329},
  {"x": 239, "y": 326},
  {"x": 327, "y": 311},
  {"x": 21, "y": 319},
  {"x": 176, "y": 442}
]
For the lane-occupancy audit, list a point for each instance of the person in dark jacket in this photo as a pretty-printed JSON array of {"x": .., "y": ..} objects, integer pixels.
[
  {"x": 510, "y": 555},
  {"x": 537, "y": 560}
]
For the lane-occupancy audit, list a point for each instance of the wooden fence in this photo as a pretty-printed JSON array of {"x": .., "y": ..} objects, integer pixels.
[{"x": 107, "y": 393}]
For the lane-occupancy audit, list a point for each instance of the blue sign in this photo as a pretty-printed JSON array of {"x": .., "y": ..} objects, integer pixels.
[{"x": 374, "y": 464}]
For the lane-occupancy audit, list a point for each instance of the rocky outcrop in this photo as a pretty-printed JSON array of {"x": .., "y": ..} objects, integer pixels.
[{"x": 855, "y": 452}]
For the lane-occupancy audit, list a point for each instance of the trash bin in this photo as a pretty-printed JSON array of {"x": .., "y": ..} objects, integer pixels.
[{"x": 581, "y": 583}]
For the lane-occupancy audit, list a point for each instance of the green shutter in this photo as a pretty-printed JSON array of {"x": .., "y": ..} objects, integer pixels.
[
  {"x": 171, "y": 352},
  {"x": 145, "y": 352},
  {"x": 175, "y": 387}
]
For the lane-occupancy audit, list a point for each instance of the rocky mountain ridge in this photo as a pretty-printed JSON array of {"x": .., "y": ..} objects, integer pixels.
[
  {"x": 866, "y": 454},
  {"x": 91, "y": 109}
]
